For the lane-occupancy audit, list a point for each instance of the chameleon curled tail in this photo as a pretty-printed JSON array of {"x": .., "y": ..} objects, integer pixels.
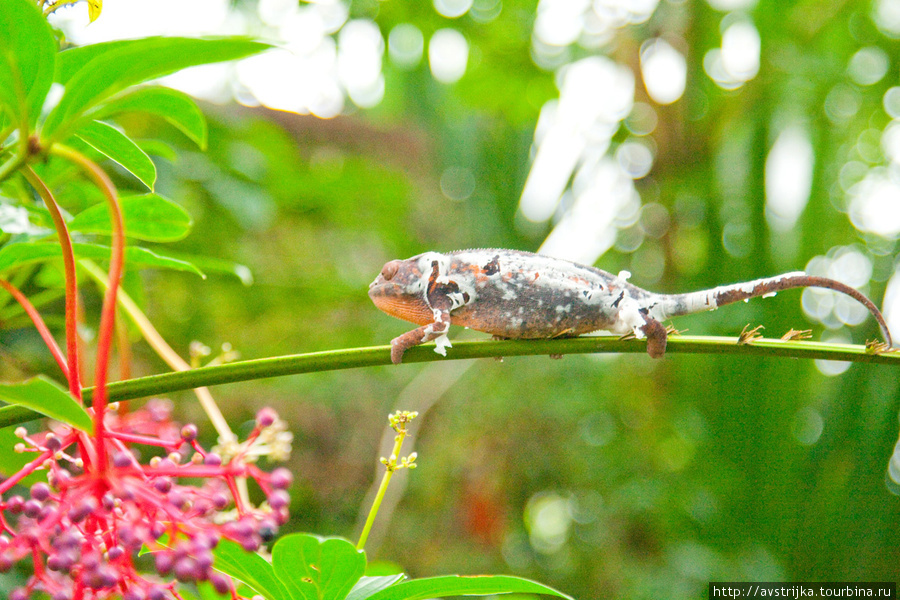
[{"x": 681, "y": 304}]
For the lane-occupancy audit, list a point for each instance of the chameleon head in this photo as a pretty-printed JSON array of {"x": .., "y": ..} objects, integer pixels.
[{"x": 399, "y": 290}]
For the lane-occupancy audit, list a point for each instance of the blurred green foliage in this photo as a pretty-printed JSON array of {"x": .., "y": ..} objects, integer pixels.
[{"x": 616, "y": 477}]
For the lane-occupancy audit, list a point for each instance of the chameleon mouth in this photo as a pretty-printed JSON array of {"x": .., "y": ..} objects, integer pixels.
[{"x": 387, "y": 299}]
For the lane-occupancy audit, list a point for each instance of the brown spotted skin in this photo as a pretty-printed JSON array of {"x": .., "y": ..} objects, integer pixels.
[{"x": 520, "y": 295}]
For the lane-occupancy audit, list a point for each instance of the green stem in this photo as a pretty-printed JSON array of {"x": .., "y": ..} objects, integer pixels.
[
  {"x": 334, "y": 360},
  {"x": 12, "y": 165},
  {"x": 376, "y": 504}
]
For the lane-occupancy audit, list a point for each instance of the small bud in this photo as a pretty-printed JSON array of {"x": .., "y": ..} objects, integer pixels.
[
  {"x": 40, "y": 491},
  {"x": 20, "y": 432},
  {"x": 14, "y": 504},
  {"x": 220, "y": 583},
  {"x": 164, "y": 561},
  {"x": 32, "y": 508},
  {"x": 157, "y": 592},
  {"x": 189, "y": 432},
  {"x": 219, "y": 501},
  {"x": 121, "y": 460},
  {"x": 52, "y": 443},
  {"x": 186, "y": 569},
  {"x": 281, "y": 479},
  {"x": 266, "y": 417}
]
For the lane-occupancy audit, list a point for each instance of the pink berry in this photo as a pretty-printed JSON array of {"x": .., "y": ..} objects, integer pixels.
[
  {"x": 189, "y": 432},
  {"x": 266, "y": 417},
  {"x": 281, "y": 479},
  {"x": 40, "y": 491}
]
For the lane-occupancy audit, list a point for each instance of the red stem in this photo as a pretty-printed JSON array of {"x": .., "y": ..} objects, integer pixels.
[
  {"x": 108, "y": 313},
  {"x": 25, "y": 471},
  {"x": 144, "y": 439},
  {"x": 39, "y": 324},
  {"x": 227, "y": 471},
  {"x": 65, "y": 242}
]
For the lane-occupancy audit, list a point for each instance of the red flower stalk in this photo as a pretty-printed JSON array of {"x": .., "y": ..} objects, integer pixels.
[{"x": 83, "y": 528}]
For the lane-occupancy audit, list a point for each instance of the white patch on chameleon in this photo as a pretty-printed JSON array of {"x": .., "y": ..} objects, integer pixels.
[
  {"x": 629, "y": 318},
  {"x": 441, "y": 343}
]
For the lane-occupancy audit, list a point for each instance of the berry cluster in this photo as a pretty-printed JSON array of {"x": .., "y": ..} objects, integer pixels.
[{"x": 84, "y": 529}]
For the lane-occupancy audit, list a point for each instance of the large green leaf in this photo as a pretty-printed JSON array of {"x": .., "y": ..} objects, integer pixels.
[
  {"x": 463, "y": 585},
  {"x": 119, "y": 66},
  {"x": 27, "y": 58},
  {"x": 111, "y": 142},
  {"x": 15, "y": 255},
  {"x": 148, "y": 217},
  {"x": 71, "y": 60},
  {"x": 42, "y": 395},
  {"x": 249, "y": 568},
  {"x": 176, "y": 107},
  {"x": 315, "y": 568}
]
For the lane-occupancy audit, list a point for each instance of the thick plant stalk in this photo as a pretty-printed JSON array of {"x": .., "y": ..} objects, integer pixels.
[
  {"x": 108, "y": 312},
  {"x": 353, "y": 358},
  {"x": 65, "y": 242}
]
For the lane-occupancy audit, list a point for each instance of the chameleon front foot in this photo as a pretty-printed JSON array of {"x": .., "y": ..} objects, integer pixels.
[{"x": 420, "y": 335}]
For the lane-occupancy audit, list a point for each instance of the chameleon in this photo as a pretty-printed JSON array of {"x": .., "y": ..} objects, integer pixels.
[{"x": 519, "y": 295}]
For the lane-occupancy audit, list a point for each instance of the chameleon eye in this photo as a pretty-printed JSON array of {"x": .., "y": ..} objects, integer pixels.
[{"x": 390, "y": 269}]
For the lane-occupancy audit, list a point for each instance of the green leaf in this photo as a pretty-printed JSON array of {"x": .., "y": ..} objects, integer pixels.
[
  {"x": 369, "y": 586},
  {"x": 16, "y": 255},
  {"x": 71, "y": 60},
  {"x": 148, "y": 217},
  {"x": 42, "y": 395},
  {"x": 462, "y": 585},
  {"x": 249, "y": 568},
  {"x": 116, "y": 67},
  {"x": 108, "y": 140},
  {"x": 314, "y": 568},
  {"x": 158, "y": 148},
  {"x": 176, "y": 107},
  {"x": 27, "y": 59},
  {"x": 211, "y": 264}
]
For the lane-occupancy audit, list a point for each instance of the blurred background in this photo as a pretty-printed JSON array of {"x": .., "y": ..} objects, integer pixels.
[{"x": 690, "y": 142}]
